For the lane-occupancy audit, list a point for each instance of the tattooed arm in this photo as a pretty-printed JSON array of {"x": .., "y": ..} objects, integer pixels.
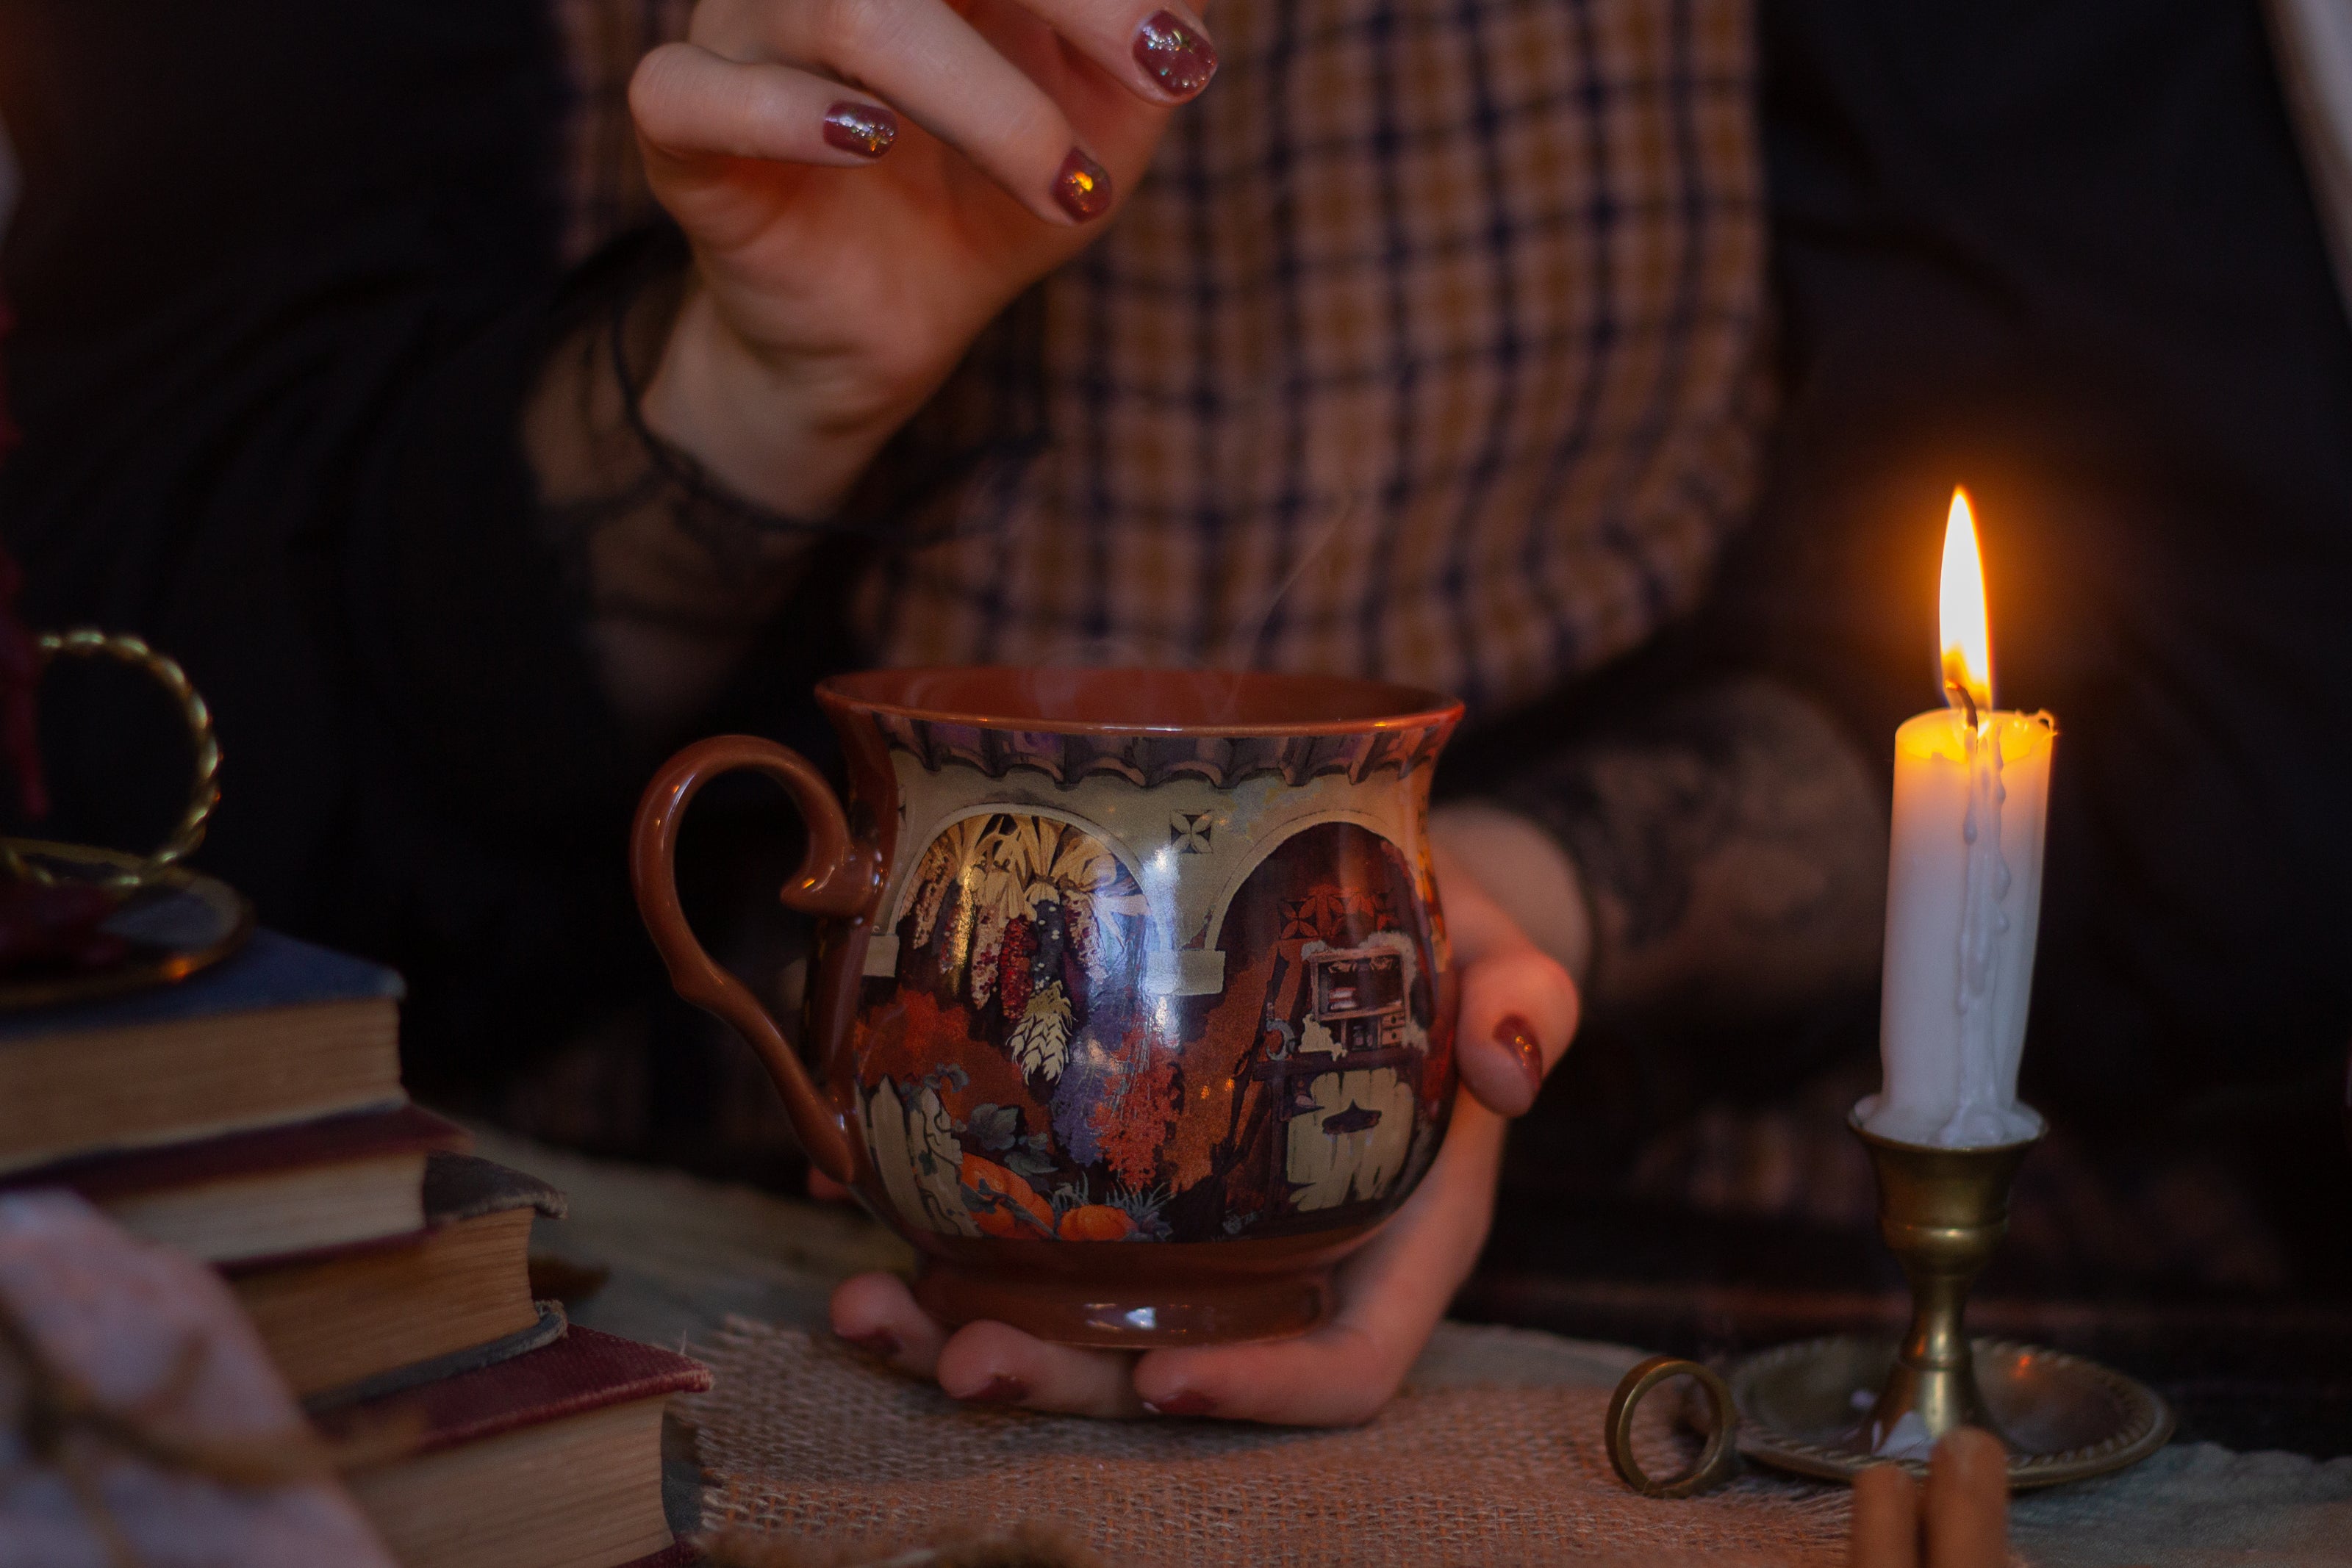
[{"x": 1724, "y": 855}]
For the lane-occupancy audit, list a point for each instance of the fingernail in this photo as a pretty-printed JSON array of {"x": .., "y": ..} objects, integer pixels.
[
  {"x": 1083, "y": 187},
  {"x": 1001, "y": 1390},
  {"x": 1176, "y": 54},
  {"x": 1185, "y": 1403},
  {"x": 865, "y": 128},
  {"x": 1517, "y": 1036},
  {"x": 880, "y": 1341}
]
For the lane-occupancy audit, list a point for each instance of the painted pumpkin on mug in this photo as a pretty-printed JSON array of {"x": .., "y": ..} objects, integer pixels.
[{"x": 1134, "y": 1000}]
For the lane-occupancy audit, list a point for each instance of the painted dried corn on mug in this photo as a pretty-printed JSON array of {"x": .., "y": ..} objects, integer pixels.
[{"x": 1132, "y": 1005}]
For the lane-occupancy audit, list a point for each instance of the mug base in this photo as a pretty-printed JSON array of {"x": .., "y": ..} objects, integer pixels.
[{"x": 1145, "y": 1318}]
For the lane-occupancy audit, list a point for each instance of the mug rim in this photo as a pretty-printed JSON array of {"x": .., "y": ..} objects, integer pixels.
[{"x": 1375, "y": 705}]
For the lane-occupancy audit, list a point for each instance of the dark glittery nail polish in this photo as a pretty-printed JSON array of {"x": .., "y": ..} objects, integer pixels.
[
  {"x": 881, "y": 1342},
  {"x": 1176, "y": 54},
  {"x": 865, "y": 128},
  {"x": 1185, "y": 1403},
  {"x": 1002, "y": 1389},
  {"x": 1517, "y": 1036},
  {"x": 1083, "y": 187}
]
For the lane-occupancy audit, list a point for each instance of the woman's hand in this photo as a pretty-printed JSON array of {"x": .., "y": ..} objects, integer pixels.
[
  {"x": 1519, "y": 1012},
  {"x": 851, "y": 240}
]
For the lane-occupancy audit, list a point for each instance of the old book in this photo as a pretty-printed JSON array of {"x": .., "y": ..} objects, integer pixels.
[
  {"x": 359, "y": 1322},
  {"x": 280, "y": 1033},
  {"x": 549, "y": 1460},
  {"x": 266, "y": 1194}
]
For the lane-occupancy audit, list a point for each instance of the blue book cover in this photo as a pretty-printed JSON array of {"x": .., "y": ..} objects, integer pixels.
[{"x": 270, "y": 971}]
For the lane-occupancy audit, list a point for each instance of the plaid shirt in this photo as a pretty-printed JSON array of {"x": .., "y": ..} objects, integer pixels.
[{"x": 1430, "y": 349}]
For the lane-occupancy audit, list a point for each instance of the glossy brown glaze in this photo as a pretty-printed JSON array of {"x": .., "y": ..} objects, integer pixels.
[
  {"x": 1131, "y": 997},
  {"x": 1111, "y": 1296},
  {"x": 1203, "y": 703},
  {"x": 836, "y": 878}
]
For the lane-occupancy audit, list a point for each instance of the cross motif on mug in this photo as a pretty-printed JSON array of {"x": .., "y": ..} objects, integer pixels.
[{"x": 1188, "y": 831}]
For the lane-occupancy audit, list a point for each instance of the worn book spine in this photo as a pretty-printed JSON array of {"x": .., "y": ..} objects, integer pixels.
[
  {"x": 330, "y": 1141},
  {"x": 457, "y": 1187},
  {"x": 581, "y": 1372},
  {"x": 550, "y": 1326}
]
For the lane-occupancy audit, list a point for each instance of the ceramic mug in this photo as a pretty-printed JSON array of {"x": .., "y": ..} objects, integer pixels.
[{"x": 1131, "y": 1003}]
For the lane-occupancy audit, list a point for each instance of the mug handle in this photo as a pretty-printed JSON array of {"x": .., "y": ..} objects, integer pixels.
[
  {"x": 838, "y": 876},
  {"x": 1718, "y": 1463}
]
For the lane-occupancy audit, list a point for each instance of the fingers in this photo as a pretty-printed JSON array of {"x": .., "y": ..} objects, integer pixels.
[
  {"x": 936, "y": 68},
  {"x": 687, "y": 100},
  {"x": 1967, "y": 1503},
  {"x": 824, "y": 1189},
  {"x": 1518, "y": 1013},
  {"x": 1157, "y": 49},
  {"x": 996, "y": 1365},
  {"x": 1519, "y": 1008},
  {"x": 877, "y": 1313},
  {"x": 712, "y": 97},
  {"x": 1390, "y": 1296},
  {"x": 984, "y": 1364},
  {"x": 1886, "y": 1519}
]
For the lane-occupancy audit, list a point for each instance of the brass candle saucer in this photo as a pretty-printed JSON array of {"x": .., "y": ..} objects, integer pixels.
[
  {"x": 1831, "y": 1407},
  {"x": 178, "y": 919},
  {"x": 2064, "y": 1417}
]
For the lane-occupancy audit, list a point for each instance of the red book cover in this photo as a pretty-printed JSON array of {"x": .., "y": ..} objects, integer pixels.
[
  {"x": 582, "y": 1370},
  {"x": 332, "y": 1141}
]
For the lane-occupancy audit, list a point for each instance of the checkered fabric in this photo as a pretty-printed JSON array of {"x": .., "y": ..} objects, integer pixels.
[
  {"x": 603, "y": 182},
  {"x": 1428, "y": 349}
]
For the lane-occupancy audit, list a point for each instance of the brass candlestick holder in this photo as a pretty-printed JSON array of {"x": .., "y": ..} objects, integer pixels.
[
  {"x": 1833, "y": 1407},
  {"x": 1942, "y": 1212}
]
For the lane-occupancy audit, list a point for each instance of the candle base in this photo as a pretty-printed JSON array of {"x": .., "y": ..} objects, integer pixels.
[{"x": 1942, "y": 1212}]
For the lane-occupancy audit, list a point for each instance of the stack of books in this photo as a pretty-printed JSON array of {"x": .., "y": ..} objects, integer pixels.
[{"x": 253, "y": 1115}]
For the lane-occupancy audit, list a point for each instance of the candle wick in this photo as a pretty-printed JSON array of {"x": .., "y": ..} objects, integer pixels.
[{"x": 1968, "y": 702}]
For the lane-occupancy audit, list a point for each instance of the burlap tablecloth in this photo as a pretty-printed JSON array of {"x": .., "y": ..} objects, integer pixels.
[
  {"x": 1492, "y": 1455},
  {"x": 807, "y": 1438}
]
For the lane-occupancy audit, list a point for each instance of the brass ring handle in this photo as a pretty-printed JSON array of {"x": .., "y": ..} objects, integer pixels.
[
  {"x": 1717, "y": 1464},
  {"x": 203, "y": 789}
]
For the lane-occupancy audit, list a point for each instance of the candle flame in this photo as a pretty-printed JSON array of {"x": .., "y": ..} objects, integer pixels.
[{"x": 1967, "y": 640}]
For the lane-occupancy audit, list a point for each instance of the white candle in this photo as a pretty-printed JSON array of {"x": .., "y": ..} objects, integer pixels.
[{"x": 1963, "y": 892}]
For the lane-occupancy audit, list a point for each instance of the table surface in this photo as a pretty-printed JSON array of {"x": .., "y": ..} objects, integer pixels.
[{"x": 684, "y": 1255}]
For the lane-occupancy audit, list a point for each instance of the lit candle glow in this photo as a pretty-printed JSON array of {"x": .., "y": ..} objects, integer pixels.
[
  {"x": 1964, "y": 888},
  {"x": 1961, "y": 614}
]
